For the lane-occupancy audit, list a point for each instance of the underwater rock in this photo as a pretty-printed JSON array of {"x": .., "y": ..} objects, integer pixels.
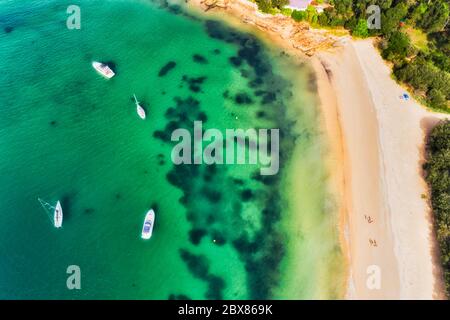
[
  {"x": 166, "y": 68},
  {"x": 198, "y": 58}
]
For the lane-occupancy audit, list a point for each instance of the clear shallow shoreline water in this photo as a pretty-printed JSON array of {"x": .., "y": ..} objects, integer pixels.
[{"x": 68, "y": 134}]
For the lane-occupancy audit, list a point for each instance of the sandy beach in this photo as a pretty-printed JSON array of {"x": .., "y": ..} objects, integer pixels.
[
  {"x": 388, "y": 221},
  {"x": 376, "y": 155}
]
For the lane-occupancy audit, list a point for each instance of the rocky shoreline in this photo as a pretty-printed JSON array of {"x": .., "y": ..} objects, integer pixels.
[{"x": 298, "y": 35}]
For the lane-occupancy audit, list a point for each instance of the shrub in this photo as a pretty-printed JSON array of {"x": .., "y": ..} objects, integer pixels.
[
  {"x": 398, "y": 46},
  {"x": 438, "y": 177},
  {"x": 361, "y": 30},
  {"x": 298, "y": 15}
]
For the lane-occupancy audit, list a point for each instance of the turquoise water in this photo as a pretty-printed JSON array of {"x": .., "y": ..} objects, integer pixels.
[{"x": 66, "y": 133}]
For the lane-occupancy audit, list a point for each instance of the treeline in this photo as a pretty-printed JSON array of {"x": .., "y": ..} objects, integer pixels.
[
  {"x": 425, "y": 68},
  {"x": 438, "y": 177},
  {"x": 271, "y": 6}
]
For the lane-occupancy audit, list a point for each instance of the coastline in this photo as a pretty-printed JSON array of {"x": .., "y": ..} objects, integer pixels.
[
  {"x": 244, "y": 16},
  {"x": 383, "y": 151},
  {"x": 402, "y": 128},
  {"x": 296, "y": 37},
  {"x": 362, "y": 187},
  {"x": 336, "y": 156},
  {"x": 376, "y": 150}
]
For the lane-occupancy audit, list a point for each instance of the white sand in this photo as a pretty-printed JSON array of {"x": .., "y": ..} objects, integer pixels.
[{"x": 384, "y": 141}]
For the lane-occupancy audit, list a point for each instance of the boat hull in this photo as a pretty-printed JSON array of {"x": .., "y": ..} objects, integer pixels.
[
  {"x": 58, "y": 216},
  {"x": 141, "y": 112},
  {"x": 103, "y": 69},
  {"x": 147, "y": 228}
]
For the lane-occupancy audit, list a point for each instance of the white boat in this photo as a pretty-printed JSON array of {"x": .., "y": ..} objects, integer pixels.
[
  {"x": 56, "y": 211},
  {"x": 103, "y": 69},
  {"x": 58, "y": 215},
  {"x": 147, "y": 228},
  {"x": 140, "y": 111}
]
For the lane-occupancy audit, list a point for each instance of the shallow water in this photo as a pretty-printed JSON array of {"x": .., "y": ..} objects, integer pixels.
[{"x": 221, "y": 231}]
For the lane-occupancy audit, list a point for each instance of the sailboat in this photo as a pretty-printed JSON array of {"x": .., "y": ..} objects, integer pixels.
[
  {"x": 58, "y": 215},
  {"x": 139, "y": 109},
  {"x": 55, "y": 210}
]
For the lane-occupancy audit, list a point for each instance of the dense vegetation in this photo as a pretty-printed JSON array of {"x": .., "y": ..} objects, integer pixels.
[
  {"x": 438, "y": 177},
  {"x": 414, "y": 37},
  {"x": 268, "y": 6}
]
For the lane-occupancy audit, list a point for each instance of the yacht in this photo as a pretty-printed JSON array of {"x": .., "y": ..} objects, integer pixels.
[
  {"x": 147, "y": 228},
  {"x": 103, "y": 69}
]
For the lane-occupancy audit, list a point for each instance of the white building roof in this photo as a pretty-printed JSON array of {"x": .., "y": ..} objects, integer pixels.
[{"x": 299, "y": 4}]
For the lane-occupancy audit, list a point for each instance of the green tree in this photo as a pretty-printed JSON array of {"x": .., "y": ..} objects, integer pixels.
[
  {"x": 298, "y": 15},
  {"x": 390, "y": 20},
  {"x": 437, "y": 170},
  {"x": 441, "y": 60},
  {"x": 418, "y": 12},
  {"x": 361, "y": 30},
  {"x": 264, "y": 5},
  {"x": 384, "y": 4},
  {"x": 437, "y": 99},
  {"x": 344, "y": 8},
  {"x": 311, "y": 14},
  {"x": 323, "y": 19},
  {"x": 435, "y": 18},
  {"x": 439, "y": 138},
  {"x": 279, "y": 3},
  {"x": 398, "y": 46}
]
